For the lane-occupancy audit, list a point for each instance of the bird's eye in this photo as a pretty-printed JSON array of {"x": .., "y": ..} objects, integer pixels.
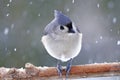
[{"x": 62, "y": 28}]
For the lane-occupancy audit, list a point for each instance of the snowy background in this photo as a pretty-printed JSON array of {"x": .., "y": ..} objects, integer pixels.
[{"x": 22, "y": 23}]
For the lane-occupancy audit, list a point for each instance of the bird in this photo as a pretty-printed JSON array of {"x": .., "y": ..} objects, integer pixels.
[{"x": 62, "y": 40}]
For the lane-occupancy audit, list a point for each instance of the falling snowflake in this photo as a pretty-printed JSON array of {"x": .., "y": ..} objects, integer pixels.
[
  {"x": 15, "y": 49},
  {"x": 7, "y": 14},
  {"x": 118, "y": 42},
  {"x": 114, "y": 20},
  {"x": 6, "y": 49},
  {"x": 39, "y": 14},
  {"x": 98, "y": 5},
  {"x": 10, "y": 0},
  {"x": 68, "y": 10},
  {"x": 12, "y": 26},
  {"x": 73, "y": 1},
  {"x": 96, "y": 42},
  {"x": 31, "y": 3},
  {"x": 28, "y": 31},
  {"x": 6, "y": 31},
  {"x": 101, "y": 37},
  {"x": 8, "y": 5},
  {"x": 111, "y": 30}
]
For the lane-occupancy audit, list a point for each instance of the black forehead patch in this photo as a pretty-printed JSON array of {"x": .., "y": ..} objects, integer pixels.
[
  {"x": 69, "y": 25},
  {"x": 70, "y": 28}
]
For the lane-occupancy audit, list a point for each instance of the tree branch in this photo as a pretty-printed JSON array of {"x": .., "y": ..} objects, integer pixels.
[{"x": 44, "y": 73}]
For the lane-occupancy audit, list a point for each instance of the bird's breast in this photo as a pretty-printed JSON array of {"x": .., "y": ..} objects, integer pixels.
[{"x": 63, "y": 47}]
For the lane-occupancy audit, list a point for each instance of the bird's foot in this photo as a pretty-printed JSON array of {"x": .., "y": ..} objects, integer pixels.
[
  {"x": 68, "y": 68},
  {"x": 59, "y": 69}
]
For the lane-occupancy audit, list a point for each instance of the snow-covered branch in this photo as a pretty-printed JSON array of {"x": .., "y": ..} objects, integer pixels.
[{"x": 44, "y": 73}]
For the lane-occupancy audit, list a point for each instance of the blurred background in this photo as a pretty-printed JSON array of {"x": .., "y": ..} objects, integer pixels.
[{"x": 22, "y": 23}]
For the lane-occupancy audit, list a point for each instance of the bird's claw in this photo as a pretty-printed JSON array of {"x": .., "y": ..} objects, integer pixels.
[
  {"x": 59, "y": 69},
  {"x": 68, "y": 68}
]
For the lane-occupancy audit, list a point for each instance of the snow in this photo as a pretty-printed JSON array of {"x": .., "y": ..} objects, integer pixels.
[
  {"x": 15, "y": 49},
  {"x": 6, "y": 31},
  {"x": 96, "y": 42},
  {"x": 118, "y": 42},
  {"x": 101, "y": 78},
  {"x": 30, "y": 2},
  {"x": 7, "y": 14},
  {"x": 101, "y": 37},
  {"x": 111, "y": 30},
  {"x": 8, "y": 5},
  {"x": 39, "y": 14},
  {"x": 43, "y": 68},
  {"x": 114, "y": 20},
  {"x": 12, "y": 26},
  {"x": 73, "y": 1},
  {"x": 68, "y": 10},
  {"x": 28, "y": 31},
  {"x": 98, "y": 5},
  {"x": 21, "y": 69},
  {"x": 6, "y": 49},
  {"x": 10, "y": 1},
  {"x": 96, "y": 63}
]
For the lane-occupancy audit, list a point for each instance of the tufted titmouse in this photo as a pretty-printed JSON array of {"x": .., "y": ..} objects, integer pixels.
[{"x": 62, "y": 40}]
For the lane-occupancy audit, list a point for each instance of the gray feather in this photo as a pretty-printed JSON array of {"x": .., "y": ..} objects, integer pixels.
[{"x": 60, "y": 19}]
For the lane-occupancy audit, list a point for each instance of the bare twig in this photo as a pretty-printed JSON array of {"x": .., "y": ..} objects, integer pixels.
[{"x": 44, "y": 73}]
